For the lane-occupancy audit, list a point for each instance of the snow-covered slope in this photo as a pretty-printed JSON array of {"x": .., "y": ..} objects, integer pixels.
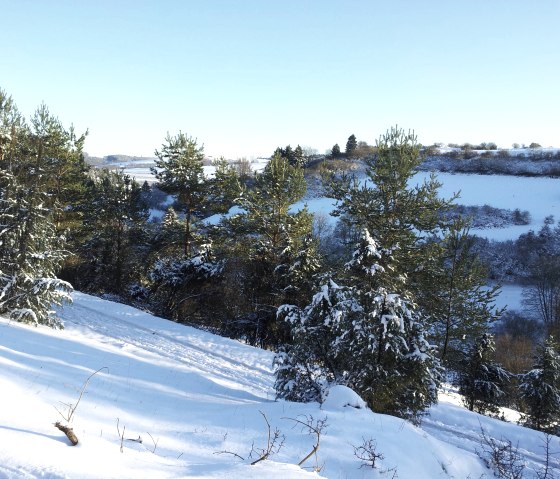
[{"x": 198, "y": 402}]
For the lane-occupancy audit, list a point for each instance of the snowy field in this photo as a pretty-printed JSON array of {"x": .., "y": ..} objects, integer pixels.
[
  {"x": 540, "y": 196},
  {"x": 196, "y": 401},
  {"x": 142, "y": 173}
]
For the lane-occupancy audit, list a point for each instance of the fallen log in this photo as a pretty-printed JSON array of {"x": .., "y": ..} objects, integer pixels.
[{"x": 68, "y": 431}]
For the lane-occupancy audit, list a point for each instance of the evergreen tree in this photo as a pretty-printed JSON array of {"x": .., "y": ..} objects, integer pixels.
[
  {"x": 12, "y": 126},
  {"x": 462, "y": 306},
  {"x": 33, "y": 185},
  {"x": 223, "y": 188},
  {"x": 31, "y": 252},
  {"x": 363, "y": 336},
  {"x": 179, "y": 169},
  {"x": 351, "y": 146},
  {"x": 299, "y": 157},
  {"x": 289, "y": 155},
  {"x": 482, "y": 381},
  {"x": 407, "y": 220},
  {"x": 335, "y": 151},
  {"x": 114, "y": 223},
  {"x": 184, "y": 289},
  {"x": 45, "y": 157},
  {"x": 306, "y": 367},
  {"x": 170, "y": 219},
  {"x": 295, "y": 157},
  {"x": 268, "y": 241},
  {"x": 56, "y": 159},
  {"x": 540, "y": 389}
]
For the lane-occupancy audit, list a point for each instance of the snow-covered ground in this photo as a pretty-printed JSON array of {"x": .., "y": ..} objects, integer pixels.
[
  {"x": 510, "y": 297},
  {"x": 540, "y": 196},
  {"x": 198, "y": 402},
  {"x": 141, "y": 171}
]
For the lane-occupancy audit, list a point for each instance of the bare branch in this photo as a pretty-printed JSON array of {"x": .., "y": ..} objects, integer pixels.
[
  {"x": 155, "y": 442},
  {"x": 367, "y": 453},
  {"x": 72, "y": 407},
  {"x": 275, "y": 441},
  {"x": 121, "y": 436},
  {"x": 312, "y": 427},
  {"x": 232, "y": 453}
]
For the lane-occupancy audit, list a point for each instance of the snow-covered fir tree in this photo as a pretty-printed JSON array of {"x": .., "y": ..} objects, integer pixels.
[
  {"x": 170, "y": 219},
  {"x": 306, "y": 367},
  {"x": 481, "y": 380},
  {"x": 363, "y": 335},
  {"x": 31, "y": 253},
  {"x": 179, "y": 285},
  {"x": 540, "y": 389}
]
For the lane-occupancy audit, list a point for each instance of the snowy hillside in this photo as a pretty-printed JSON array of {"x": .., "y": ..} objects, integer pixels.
[{"x": 198, "y": 403}]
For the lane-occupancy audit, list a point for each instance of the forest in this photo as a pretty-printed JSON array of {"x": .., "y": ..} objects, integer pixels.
[{"x": 393, "y": 302}]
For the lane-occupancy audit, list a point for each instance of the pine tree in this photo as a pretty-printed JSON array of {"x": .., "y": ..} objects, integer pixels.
[
  {"x": 183, "y": 288},
  {"x": 335, "y": 151},
  {"x": 407, "y": 220},
  {"x": 179, "y": 170},
  {"x": 351, "y": 146},
  {"x": 31, "y": 249},
  {"x": 363, "y": 336},
  {"x": 114, "y": 227},
  {"x": 306, "y": 367},
  {"x": 12, "y": 125},
  {"x": 224, "y": 187},
  {"x": 299, "y": 157},
  {"x": 462, "y": 305},
  {"x": 482, "y": 381},
  {"x": 288, "y": 154},
  {"x": 30, "y": 254},
  {"x": 540, "y": 389},
  {"x": 45, "y": 156},
  {"x": 170, "y": 219},
  {"x": 267, "y": 240}
]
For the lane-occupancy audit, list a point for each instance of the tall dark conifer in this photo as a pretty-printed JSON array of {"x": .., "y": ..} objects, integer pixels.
[{"x": 179, "y": 170}]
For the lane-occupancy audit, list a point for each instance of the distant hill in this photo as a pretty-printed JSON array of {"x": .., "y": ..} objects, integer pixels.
[{"x": 117, "y": 160}]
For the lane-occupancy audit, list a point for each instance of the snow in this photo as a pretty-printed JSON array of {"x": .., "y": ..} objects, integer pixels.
[
  {"x": 510, "y": 297},
  {"x": 194, "y": 399},
  {"x": 540, "y": 196},
  {"x": 341, "y": 396},
  {"x": 141, "y": 172}
]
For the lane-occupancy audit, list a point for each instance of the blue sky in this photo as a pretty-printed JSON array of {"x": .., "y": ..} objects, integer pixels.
[{"x": 245, "y": 76}]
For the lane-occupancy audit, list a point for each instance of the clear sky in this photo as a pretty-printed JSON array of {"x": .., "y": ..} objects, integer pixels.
[{"x": 246, "y": 76}]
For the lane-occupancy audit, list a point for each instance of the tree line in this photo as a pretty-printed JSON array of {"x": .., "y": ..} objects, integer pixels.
[{"x": 399, "y": 300}]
